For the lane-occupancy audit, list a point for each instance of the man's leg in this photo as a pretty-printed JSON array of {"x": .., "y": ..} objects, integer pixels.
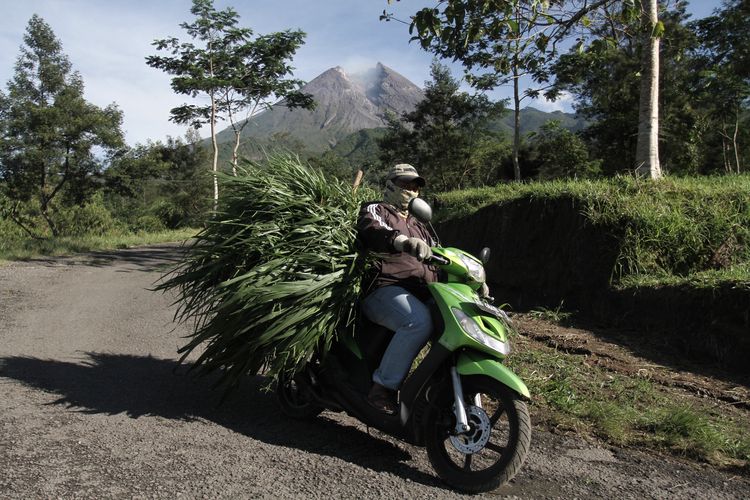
[{"x": 396, "y": 309}]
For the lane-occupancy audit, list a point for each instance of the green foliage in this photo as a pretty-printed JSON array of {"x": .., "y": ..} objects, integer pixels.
[
  {"x": 532, "y": 120},
  {"x": 500, "y": 42},
  {"x": 722, "y": 82},
  {"x": 446, "y": 136},
  {"x": 496, "y": 40},
  {"x": 702, "y": 94},
  {"x": 676, "y": 228},
  {"x": 234, "y": 70},
  {"x": 561, "y": 154},
  {"x": 557, "y": 315},
  {"x": 573, "y": 394},
  {"x": 274, "y": 274},
  {"x": 166, "y": 181},
  {"x": 148, "y": 223},
  {"x": 92, "y": 218},
  {"x": 50, "y": 132},
  {"x": 334, "y": 166}
]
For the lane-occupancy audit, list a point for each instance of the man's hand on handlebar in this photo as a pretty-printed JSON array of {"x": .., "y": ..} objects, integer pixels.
[{"x": 415, "y": 247}]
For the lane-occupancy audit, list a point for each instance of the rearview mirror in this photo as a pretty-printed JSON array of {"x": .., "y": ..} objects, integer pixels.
[
  {"x": 421, "y": 210},
  {"x": 484, "y": 255}
]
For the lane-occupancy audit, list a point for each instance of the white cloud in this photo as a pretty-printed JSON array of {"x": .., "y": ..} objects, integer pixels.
[{"x": 563, "y": 103}]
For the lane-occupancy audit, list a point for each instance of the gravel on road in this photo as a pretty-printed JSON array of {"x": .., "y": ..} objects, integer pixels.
[{"x": 93, "y": 404}]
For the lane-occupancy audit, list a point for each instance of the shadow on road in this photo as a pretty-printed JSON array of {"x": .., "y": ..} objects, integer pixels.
[
  {"x": 140, "y": 386},
  {"x": 154, "y": 258}
]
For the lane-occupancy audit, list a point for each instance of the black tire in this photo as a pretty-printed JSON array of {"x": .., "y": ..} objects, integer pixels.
[
  {"x": 498, "y": 461},
  {"x": 295, "y": 400}
]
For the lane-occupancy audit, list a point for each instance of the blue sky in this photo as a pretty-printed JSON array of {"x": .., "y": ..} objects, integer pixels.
[{"x": 107, "y": 42}]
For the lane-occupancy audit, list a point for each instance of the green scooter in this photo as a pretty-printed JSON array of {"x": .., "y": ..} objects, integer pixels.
[{"x": 460, "y": 401}]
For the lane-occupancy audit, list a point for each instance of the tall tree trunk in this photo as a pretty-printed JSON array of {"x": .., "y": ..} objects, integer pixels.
[
  {"x": 235, "y": 156},
  {"x": 647, "y": 149},
  {"x": 735, "y": 145},
  {"x": 516, "y": 112},
  {"x": 215, "y": 147},
  {"x": 516, "y": 127}
]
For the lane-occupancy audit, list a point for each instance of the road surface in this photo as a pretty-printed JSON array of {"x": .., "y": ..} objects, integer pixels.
[{"x": 93, "y": 404}]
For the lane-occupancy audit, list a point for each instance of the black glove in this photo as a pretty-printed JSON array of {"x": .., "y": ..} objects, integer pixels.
[{"x": 415, "y": 247}]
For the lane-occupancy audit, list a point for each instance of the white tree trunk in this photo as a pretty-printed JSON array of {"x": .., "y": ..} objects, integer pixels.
[
  {"x": 516, "y": 107},
  {"x": 215, "y": 147},
  {"x": 516, "y": 127},
  {"x": 735, "y": 144},
  {"x": 647, "y": 149},
  {"x": 235, "y": 154}
]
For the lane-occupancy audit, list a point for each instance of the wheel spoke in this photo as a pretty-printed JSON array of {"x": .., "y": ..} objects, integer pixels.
[
  {"x": 496, "y": 416},
  {"x": 495, "y": 447},
  {"x": 467, "y": 462}
]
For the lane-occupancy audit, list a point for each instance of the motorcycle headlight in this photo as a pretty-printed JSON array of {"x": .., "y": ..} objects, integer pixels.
[
  {"x": 476, "y": 269},
  {"x": 473, "y": 330}
]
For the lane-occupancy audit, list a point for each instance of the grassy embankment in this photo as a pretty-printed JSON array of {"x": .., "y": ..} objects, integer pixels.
[
  {"x": 28, "y": 248},
  {"x": 689, "y": 232},
  {"x": 675, "y": 231}
]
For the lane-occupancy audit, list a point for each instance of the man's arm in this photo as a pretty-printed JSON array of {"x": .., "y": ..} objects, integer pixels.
[{"x": 373, "y": 229}]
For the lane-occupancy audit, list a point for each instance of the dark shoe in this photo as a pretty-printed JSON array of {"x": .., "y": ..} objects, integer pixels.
[{"x": 382, "y": 399}]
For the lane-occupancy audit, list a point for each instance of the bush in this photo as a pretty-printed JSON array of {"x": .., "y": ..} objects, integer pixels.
[
  {"x": 92, "y": 218},
  {"x": 562, "y": 154},
  {"x": 147, "y": 223}
]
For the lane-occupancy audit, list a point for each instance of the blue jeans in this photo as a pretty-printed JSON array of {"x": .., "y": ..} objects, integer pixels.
[{"x": 398, "y": 310}]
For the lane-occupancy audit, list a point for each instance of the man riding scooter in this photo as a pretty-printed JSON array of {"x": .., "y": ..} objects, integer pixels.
[
  {"x": 397, "y": 294},
  {"x": 460, "y": 402}
]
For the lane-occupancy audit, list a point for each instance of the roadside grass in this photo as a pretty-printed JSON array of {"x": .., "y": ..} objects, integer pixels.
[
  {"x": 27, "y": 248},
  {"x": 571, "y": 394},
  {"x": 557, "y": 315}
]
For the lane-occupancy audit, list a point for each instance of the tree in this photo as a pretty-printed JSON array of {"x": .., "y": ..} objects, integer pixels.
[
  {"x": 441, "y": 136},
  {"x": 164, "y": 180},
  {"x": 501, "y": 41},
  {"x": 562, "y": 154},
  {"x": 606, "y": 77},
  {"x": 725, "y": 70},
  {"x": 256, "y": 74},
  {"x": 647, "y": 148},
  {"x": 49, "y": 132},
  {"x": 233, "y": 70}
]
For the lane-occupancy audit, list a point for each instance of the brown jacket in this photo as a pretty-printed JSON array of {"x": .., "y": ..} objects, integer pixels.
[{"x": 378, "y": 224}]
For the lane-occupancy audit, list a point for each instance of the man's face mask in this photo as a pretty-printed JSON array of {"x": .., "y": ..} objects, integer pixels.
[{"x": 398, "y": 196}]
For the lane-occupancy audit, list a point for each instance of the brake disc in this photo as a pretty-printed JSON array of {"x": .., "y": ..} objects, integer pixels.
[{"x": 480, "y": 428}]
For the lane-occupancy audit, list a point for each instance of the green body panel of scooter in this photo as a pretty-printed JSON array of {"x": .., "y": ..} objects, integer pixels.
[
  {"x": 475, "y": 358},
  {"x": 473, "y": 363}
]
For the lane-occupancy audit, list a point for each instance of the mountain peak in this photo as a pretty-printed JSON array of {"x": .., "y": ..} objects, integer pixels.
[{"x": 346, "y": 103}]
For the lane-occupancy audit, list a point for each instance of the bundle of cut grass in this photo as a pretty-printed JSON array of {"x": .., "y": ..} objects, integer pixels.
[{"x": 273, "y": 276}]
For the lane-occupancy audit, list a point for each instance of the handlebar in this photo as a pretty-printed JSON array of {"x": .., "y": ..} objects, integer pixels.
[{"x": 436, "y": 259}]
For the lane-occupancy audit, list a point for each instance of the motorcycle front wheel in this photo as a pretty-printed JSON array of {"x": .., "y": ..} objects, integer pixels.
[{"x": 493, "y": 450}]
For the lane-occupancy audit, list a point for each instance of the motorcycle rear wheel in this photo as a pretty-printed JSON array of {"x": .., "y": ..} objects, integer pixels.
[
  {"x": 295, "y": 399},
  {"x": 492, "y": 452}
]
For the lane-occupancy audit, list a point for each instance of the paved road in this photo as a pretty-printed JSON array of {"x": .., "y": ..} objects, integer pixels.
[{"x": 93, "y": 404}]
